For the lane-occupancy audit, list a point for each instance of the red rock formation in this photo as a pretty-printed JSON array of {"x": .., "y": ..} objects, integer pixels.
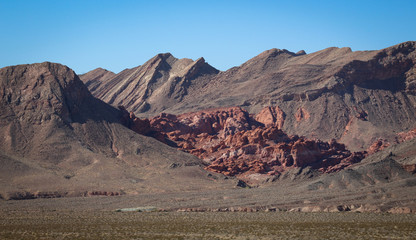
[
  {"x": 410, "y": 168},
  {"x": 136, "y": 124},
  {"x": 381, "y": 144},
  {"x": 406, "y": 136},
  {"x": 232, "y": 142},
  {"x": 271, "y": 116},
  {"x": 302, "y": 114},
  {"x": 141, "y": 126},
  {"x": 378, "y": 145}
]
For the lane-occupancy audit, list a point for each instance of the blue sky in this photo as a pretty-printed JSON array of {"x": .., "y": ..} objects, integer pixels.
[{"x": 122, "y": 34}]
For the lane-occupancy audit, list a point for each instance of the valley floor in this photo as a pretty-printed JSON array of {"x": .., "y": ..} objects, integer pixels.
[
  {"x": 104, "y": 224},
  {"x": 97, "y": 218}
]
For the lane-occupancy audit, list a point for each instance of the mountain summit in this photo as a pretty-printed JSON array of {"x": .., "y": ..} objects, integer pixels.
[{"x": 160, "y": 83}]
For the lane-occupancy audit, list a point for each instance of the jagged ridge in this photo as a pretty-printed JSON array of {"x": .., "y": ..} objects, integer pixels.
[{"x": 160, "y": 83}]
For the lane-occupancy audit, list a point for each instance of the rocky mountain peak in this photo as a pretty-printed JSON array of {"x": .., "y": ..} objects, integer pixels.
[
  {"x": 199, "y": 67},
  {"x": 301, "y": 52},
  {"x": 162, "y": 79},
  {"x": 40, "y": 91},
  {"x": 93, "y": 79},
  {"x": 274, "y": 52},
  {"x": 165, "y": 57}
]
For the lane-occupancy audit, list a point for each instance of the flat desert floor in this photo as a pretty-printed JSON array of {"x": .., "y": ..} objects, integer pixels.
[{"x": 96, "y": 218}]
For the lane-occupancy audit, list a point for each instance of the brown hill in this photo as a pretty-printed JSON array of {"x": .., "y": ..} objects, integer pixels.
[
  {"x": 355, "y": 97},
  {"x": 58, "y": 140}
]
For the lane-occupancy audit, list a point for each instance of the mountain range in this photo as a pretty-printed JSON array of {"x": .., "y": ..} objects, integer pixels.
[
  {"x": 356, "y": 97},
  {"x": 301, "y": 123}
]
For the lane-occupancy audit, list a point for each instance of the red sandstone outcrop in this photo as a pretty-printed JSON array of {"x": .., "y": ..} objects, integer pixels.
[
  {"x": 410, "y": 168},
  {"x": 406, "y": 136},
  {"x": 381, "y": 144},
  {"x": 302, "y": 114},
  {"x": 378, "y": 145},
  {"x": 271, "y": 116},
  {"x": 141, "y": 126},
  {"x": 233, "y": 142}
]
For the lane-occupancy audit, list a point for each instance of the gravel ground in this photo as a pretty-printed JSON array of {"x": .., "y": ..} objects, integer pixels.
[{"x": 51, "y": 224}]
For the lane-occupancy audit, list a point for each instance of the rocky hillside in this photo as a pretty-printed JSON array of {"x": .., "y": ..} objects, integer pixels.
[
  {"x": 160, "y": 83},
  {"x": 58, "y": 140},
  {"x": 356, "y": 97}
]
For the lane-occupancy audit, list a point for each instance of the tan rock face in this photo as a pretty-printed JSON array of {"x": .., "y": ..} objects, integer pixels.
[
  {"x": 233, "y": 142},
  {"x": 162, "y": 80}
]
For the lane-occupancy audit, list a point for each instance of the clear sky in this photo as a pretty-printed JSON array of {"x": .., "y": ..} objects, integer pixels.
[{"x": 115, "y": 35}]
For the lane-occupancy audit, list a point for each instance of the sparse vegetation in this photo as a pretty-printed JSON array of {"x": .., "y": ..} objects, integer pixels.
[{"x": 177, "y": 225}]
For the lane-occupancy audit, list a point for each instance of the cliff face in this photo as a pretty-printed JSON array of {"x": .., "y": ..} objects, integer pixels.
[{"x": 354, "y": 97}]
